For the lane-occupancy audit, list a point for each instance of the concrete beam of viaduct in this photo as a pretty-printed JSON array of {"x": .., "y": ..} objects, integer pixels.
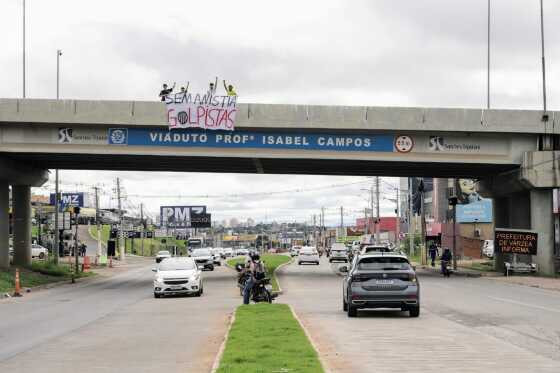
[{"x": 21, "y": 177}]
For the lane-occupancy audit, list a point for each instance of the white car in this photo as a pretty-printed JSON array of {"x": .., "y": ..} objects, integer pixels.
[
  {"x": 228, "y": 252},
  {"x": 216, "y": 256},
  {"x": 162, "y": 255},
  {"x": 241, "y": 252},
  {"x": 294, "y": 251},
  {"x": 178, "y": 275},
  {"x": 308, "y": 254},
  {"x": 38, "y": 251}
]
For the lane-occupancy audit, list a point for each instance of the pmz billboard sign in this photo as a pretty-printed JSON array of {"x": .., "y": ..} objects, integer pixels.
[
  {"x": 182, "y": 216},
  {"x": 69, "y": 199}
]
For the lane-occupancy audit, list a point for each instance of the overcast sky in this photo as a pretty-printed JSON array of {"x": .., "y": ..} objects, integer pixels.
[{"x": 383, "y": 52}]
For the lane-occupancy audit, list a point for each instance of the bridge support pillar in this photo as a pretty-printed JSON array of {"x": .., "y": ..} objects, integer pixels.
[
  {"x": 4, "y": 225},
  {"x": 21, "y": 207},
  {"x": 542, "y": 222}
]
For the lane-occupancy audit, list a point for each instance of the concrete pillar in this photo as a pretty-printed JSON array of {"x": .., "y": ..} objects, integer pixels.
[
  {"x": 21, "y": 207},
  {"x": 4, "y": 224},
  {"x": 542, "y": 222}
]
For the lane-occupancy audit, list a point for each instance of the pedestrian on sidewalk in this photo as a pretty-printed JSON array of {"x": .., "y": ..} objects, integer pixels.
[{"x": 433, "y": 253}]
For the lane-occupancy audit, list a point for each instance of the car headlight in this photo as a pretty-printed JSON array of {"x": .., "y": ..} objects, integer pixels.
[
  {"x": 159, "y": 279},
  {"x": 195, "y": 278}
]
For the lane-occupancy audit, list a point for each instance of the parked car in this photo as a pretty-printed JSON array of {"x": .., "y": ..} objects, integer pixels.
[
  {"x": 203, "y": 259},
  {"x": 162, "y": 255},
  {"x": 38, "y": 251},
  {"x": 488, "y": 248},
  {"x": 308, "y": 254},
  {"x": 339, "y": 253},
  {"x": 380, "y": 280},
  {"x": 178, "y": 275}
]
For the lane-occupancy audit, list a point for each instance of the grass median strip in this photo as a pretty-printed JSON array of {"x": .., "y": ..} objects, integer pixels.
[
  {"x": 272, "y": 261},
  {"x": 39, "y": 273},
  {"x": 267, "y": 338}
]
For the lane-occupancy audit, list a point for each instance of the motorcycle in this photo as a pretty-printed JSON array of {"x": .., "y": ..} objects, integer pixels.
[
  {"x": 262, "y": 291},
  {"x": 241, "y": 278},
  {"x": 446, "y": 268}
]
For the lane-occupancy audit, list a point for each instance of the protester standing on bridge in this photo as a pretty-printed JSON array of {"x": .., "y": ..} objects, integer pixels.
[
  {"x": 165, "y": 91},
  {"x": 184, "y": 90},
  {"x": 229, "y": 89},
  {"x": 212, "y": 87}
]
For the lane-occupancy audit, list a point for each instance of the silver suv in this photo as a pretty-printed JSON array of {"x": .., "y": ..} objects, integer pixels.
[{"x": 380, "y": 280}]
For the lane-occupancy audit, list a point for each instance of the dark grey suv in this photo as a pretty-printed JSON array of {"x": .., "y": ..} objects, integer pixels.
[{"x": 380, "y": 280}]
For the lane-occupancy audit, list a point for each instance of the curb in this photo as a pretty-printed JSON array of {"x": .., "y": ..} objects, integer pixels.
[
  {"x": 460, "y": 273},
  {"x": 280, "y": 291},
  {"x": 220, "y": 353},
  {"x": 311, "y": 340}
]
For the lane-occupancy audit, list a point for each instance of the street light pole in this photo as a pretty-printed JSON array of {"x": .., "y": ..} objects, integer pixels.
[
  {"x": 58, "y": 54},
  {"x": 24, "y": 93},
  {"x": 488, "y": 62},
  {"x": 543, "y": 59}
]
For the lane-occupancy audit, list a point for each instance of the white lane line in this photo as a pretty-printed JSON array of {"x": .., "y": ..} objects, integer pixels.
[{"x": 526, "y": 304}]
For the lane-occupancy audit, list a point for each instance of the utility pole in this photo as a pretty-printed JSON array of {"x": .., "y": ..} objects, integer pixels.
[
  {"x": 398, "y": 227},
  {"x": 97, "y": 221},
  {"x": 314, "y": 230},
  {"x": 120, "y": 238},
  {"x": 322, "y": 226},
  {"x": 411, "y": 226},
  {"x": 342, "y": 220},
  {"x": 423, "y": 222},
  {"x": 365, "y": 221},
  {"x": 377, "y": 238},
  {"x": 75, "y": 211},
  {"x": 143, "y": 227},
  {"x": 56, "y": 227}
]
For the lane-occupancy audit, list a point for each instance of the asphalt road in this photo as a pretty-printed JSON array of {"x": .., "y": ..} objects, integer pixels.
[
  {"x": 466, "y": 325},
  {"x": 114, "y": 324}
]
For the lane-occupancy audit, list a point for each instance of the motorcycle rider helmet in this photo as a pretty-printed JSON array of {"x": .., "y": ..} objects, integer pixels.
[{"x": 255, "y": 256}]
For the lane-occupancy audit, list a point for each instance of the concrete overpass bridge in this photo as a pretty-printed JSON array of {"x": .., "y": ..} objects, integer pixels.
[{"x": 512, "y": 150}]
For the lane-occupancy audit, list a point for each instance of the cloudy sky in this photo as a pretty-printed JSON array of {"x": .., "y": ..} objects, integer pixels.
[{"x": 382, "y": 52}]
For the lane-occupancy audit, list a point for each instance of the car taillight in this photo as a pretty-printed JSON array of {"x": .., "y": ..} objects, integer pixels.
[{"x": 412, "y": 278}]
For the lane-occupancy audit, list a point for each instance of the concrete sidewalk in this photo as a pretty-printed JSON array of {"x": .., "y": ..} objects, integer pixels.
[
  {"x": 547, "y": 283},
  {"x": 462, "y": 272}
]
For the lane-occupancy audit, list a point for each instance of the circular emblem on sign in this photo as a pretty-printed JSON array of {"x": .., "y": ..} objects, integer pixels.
[
  {"x": 384, "y": 275},
  {"x": 183, "y": 117},
  {"x": 118, "y": 137},
  {"x": 404, "y": 143}
]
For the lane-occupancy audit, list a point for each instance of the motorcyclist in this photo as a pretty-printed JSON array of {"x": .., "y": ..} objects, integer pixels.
[
  {"x": 255, "y": 269},
  {"x": 445, "y": 258}
]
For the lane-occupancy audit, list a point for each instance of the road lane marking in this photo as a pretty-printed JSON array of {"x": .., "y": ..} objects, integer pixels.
[{"x": 526, "y": 304}]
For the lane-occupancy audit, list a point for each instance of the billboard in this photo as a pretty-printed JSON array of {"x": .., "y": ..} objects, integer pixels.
[
  {"x": 471, "y": 206},
  {"x": 513, "y": 241},
  {"x": 475, "y": 212},
  {"x": 69, "y": 199},
  {"x": 183, "y": 216}
]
